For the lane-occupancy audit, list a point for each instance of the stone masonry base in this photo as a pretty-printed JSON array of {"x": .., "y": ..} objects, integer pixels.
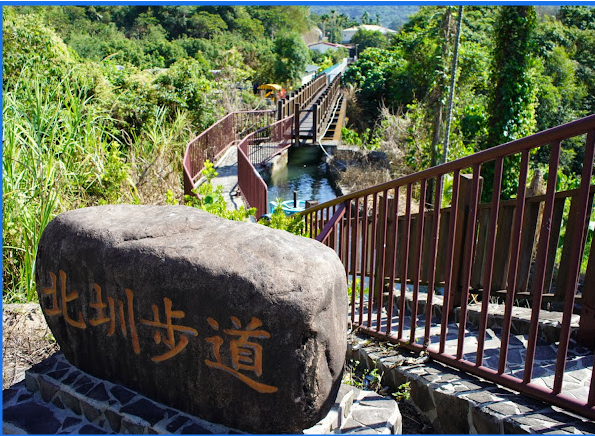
[
  {"x": 455, "y": 402},
  {"x": 58, "y": 398}
]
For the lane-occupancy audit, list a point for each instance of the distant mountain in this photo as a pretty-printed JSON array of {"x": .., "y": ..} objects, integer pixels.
[{"x": 390, "y": 16}]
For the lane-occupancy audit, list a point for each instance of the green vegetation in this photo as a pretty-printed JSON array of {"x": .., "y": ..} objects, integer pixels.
[
  {"x": 388, "y": 16},
  {"x": 521, "y": 69},
  {"x": 150, "y": 37},
  {"x": 278, "y": 220},
  {"x": 511, "y": 104},
  {"x": 100, "y": 101},
  {"x": 210, "y": 199},
  {"x": 403, "y": 392},
  {"x": 368, "y": 38},
  {"x": 292, "y": 56},
  {"x": 328, "y": 58},
  {"x": 362, "y": 378},
  {"x": 332, "y": 23}
]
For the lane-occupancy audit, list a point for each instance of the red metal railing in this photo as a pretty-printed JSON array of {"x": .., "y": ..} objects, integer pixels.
[
  {"x": 214, "y": 140},
  {"x": 384, "y": 237},
  {"x": 236, "y": 125},
  {"x": 254, "y": 150}
]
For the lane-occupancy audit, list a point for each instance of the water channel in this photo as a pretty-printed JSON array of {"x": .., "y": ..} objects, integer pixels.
[{"x": 305, "y": 173}]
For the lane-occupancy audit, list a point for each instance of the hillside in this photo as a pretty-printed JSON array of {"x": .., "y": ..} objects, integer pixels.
[
  {"x": 100, "y": 101},
  {"x": 390, "y": 16}
]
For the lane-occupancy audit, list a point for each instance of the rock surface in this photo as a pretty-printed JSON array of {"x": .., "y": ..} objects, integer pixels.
[{"x": 232, "y": 322}]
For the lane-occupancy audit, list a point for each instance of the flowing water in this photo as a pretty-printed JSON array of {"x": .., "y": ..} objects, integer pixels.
[{"x": 306, "y": 174}]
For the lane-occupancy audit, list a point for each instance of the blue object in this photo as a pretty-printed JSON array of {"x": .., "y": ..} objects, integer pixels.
[{"x": 288, "y": 206}]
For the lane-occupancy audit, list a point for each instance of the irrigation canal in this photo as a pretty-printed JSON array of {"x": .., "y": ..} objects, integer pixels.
[{"x": 306, "y": 173}]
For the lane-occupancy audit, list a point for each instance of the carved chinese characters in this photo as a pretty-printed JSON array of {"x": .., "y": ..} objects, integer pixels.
[
  {"x": 233, "y": 322},
  {"x": 170, "y": 341},
  {"x": 246, "y": 355}
]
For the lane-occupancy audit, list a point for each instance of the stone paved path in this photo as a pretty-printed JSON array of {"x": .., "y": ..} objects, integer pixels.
[
  {"x": 227, "y": 169},
  {"x": 579, "y": 359},
  {"x": 58, "y": 398},
  {"x": 455, "y": 402}
]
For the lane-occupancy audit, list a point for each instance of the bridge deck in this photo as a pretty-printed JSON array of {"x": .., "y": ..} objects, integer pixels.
[
  {"x": 306, "y": 118},
  {"x": 333, "y": 135}
]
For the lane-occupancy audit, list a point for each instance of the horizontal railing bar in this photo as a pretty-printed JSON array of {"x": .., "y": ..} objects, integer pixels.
[
  {"x": 540, "y": 198},
  {"x": 203, "y": 146},
  {"x": 574, "y": 128},
  {"x": 270, "y": 126}
]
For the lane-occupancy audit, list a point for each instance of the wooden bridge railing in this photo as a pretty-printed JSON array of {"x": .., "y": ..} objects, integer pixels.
[
  {"x": 322, "y": 112},
  {"x": 507, "y": 246},
  {"x": 302, "y": 96}
]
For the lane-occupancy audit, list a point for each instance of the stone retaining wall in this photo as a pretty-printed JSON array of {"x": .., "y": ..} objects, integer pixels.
[
  {"x": 455, "y": 402},
  {"x": 58, "y": 398}
]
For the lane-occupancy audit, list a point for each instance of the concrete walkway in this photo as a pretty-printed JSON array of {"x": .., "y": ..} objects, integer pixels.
[{"x": 227, "y": 177}]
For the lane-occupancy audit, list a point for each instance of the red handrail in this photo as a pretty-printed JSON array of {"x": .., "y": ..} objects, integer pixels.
[
  {"x": 468, "y": 248},
  {"x": 215, "y": 140},
  {"x": 255, "y": 149}
]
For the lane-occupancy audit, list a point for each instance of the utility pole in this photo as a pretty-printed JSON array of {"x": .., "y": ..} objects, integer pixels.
[
  {"x": 455, "y": 61},
  {"x": 436, "y": 101}
]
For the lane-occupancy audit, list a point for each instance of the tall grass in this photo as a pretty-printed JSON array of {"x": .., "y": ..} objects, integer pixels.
[
  {"x": 53, "y": 149},
  {"x": 79, "y": 133},
  {"x": 61, "y": 151}
]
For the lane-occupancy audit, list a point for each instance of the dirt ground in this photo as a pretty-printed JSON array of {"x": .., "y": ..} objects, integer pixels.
[{"x": 27, "y": 340}]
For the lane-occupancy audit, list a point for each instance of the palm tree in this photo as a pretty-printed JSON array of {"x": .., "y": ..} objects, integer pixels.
[{"x": 365, "y": 18}]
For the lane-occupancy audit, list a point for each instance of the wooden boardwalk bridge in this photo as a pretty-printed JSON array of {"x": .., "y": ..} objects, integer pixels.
[{"x": 434, "y": 280}]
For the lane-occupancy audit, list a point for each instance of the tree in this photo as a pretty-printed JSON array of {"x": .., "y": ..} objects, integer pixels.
[
  {"x": 366, "y": 18},
  {"x": 28, "y": 43},
  {"x": 453, "y": 75},
  {"x": 582, "y": 17},
  {"x": 281, "y": 18},
  {"x": 291, "y": 58},
  {"x": 334, "y": 35},
  {"x": 512, "y": 103},
  {"x": 368, "y": 38},
  {"x": 204, "y": 24}
]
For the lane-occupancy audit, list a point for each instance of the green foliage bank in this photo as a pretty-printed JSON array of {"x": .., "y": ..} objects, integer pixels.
[
  {"x": 100, "y": 101},
  {"x": 521, "y": 69}
]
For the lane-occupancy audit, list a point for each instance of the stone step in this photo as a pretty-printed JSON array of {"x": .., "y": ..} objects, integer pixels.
[
  {"x": 58, "y": 398},
  {"x": 455, "y": 402},
  {"x": 550, "y": 322}
]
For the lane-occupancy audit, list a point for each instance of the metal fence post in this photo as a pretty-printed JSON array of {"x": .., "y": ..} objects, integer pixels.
[
  {"x": 465, "y": 185},
  {"x": 586, "y": 327}
]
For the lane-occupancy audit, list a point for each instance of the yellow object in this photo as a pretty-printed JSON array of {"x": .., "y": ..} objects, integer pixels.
[{"x": 271, "y": 86}]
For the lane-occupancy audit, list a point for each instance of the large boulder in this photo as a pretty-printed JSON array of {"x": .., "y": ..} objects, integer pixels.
[{"x": 233, "y": 322}]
